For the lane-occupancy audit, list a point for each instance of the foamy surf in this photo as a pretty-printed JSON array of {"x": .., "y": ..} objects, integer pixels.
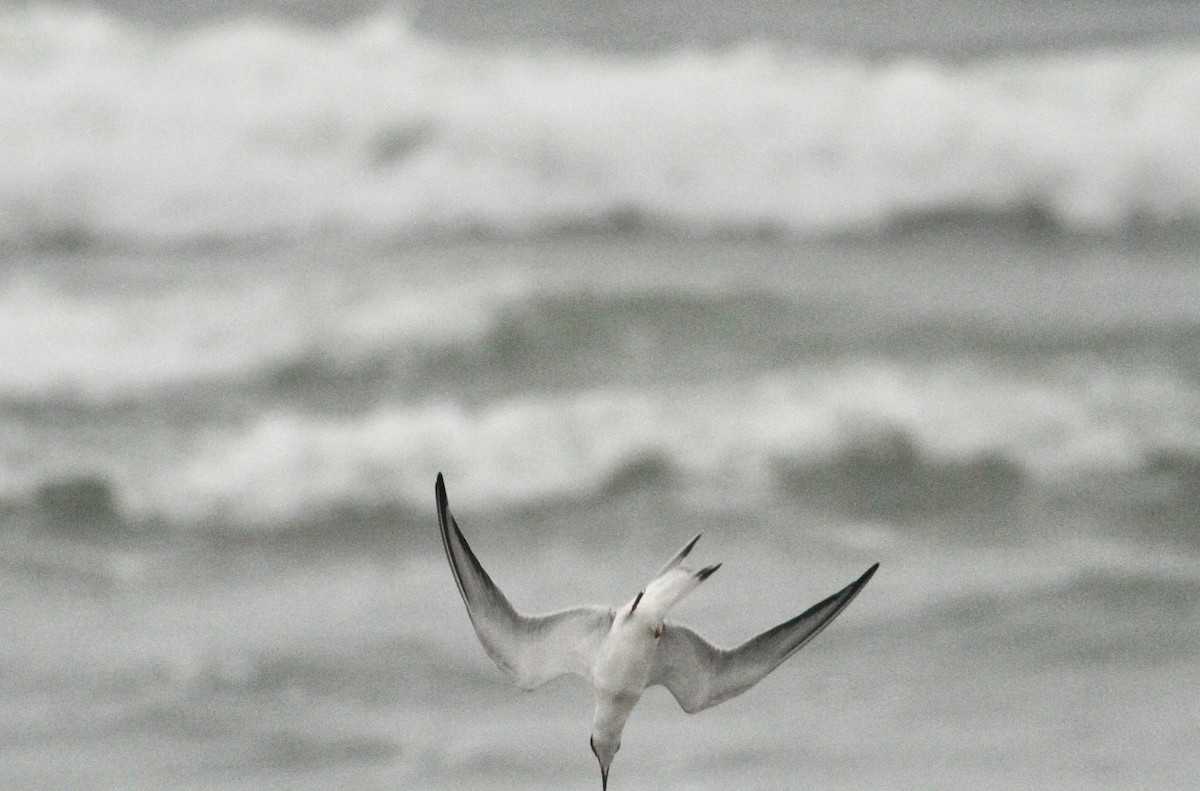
[
  {"x": 258, "y": 129},
  {"x": 878, "y": 437}
]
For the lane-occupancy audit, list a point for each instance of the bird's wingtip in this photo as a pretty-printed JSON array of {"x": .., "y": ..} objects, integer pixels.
[
  {"x": 443, "y": 503},
  {"x": 863, "y": 579}
]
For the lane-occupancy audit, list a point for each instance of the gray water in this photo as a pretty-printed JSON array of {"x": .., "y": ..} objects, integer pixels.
[{"x": 930, "y": 300}]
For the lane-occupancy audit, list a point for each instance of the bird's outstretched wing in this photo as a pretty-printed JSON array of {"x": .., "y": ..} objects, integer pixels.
[
  {"x": 532, "y": 649},
  {"x": 700, "y": 675}
]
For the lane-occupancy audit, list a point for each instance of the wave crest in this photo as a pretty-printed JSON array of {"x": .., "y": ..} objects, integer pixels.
[
  {"x": 880, "y": 441},
  {"x": 257, "y": 129}
]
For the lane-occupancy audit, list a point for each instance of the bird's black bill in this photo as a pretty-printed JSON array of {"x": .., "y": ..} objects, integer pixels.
[{"x": 603, "y": 779}]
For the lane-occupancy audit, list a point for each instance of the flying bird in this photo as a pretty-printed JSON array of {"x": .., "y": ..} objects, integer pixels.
[{"x": 621, "y": 652}]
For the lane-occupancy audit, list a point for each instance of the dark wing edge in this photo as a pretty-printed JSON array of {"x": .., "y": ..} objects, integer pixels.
[
  {"x": 476, "y": 586},
  {"x": 528, "y": 648},
  {"x": 700, "y": 675}
]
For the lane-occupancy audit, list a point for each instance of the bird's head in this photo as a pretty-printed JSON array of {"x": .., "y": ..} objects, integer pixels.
[{"x": 604, "y": 750}]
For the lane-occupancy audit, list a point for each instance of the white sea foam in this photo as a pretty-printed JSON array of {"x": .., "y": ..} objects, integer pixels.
[
  {"x": 94, "y": 343},
  {"x": 107, "y": 342},
  {"x": 256, "y": 128},
  {"x": 716, "y": 438}
]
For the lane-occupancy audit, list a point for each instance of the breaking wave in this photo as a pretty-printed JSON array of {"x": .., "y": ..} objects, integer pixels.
[
  {"x": 877, "y": 439},
  {"x": 264, "y": 130},
  {"x": 282, "y": 344}
]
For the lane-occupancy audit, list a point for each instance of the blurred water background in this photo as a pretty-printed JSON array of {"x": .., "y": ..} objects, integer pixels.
[{"x": 833, "y": 282}]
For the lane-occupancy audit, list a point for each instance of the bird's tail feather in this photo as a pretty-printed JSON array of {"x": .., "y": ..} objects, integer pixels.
[
  {"x": 671, "y": 584},
  {"x": 679, "y": 556}
]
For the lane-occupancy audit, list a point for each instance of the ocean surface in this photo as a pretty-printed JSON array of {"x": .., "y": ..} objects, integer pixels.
[{"x": 835, "y": 284}]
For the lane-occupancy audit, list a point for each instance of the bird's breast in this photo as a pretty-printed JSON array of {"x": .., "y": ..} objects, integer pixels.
[{"x": 623, "y": 662}]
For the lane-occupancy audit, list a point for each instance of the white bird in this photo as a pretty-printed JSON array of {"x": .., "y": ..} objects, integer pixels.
[{"x": 622, "y": 652}]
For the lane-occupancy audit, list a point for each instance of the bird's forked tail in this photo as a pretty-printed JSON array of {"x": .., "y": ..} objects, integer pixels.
[{"x": 670, "y": 585}]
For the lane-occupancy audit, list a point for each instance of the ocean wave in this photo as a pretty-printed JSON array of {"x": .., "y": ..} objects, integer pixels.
[
  {"x": 118, "y": 134},
  {"x": 889, "y": 475},
  {"x": 101, "y": 343},
  {"x": 946, "y": 436},
  {"x": 282, "y": 342},
  {"x": 879, "y": 442}
]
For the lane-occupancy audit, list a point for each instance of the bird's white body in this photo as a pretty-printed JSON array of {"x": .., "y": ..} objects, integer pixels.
[
  {"x": 624, "y": 651},
  {"x": 619, "y": 676},
  {"x": 625, "y": 658},
  {"x": 623, "y": 662}
]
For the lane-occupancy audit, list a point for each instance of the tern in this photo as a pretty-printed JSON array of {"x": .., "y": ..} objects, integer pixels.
[{"x": 624, "y": 651}]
